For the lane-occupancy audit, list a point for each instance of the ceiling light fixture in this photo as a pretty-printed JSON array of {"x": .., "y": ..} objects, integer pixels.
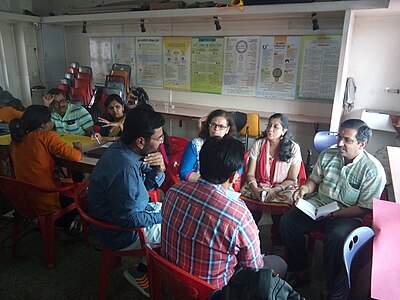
[
  {"x": 217, "y": 24},
  {"x": 314, "y": 20},
  {"x": 142, "y": 28},
  {"x": 84, "y": 23}
]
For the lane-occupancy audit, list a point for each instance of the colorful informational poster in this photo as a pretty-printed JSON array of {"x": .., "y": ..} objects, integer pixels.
[
  {"x": 318, "y": 67},
  {"x": 149, "y": 61},
  {"x": 100, "y": 58},
  {"x": 240, "y": 66},
  {"x": 277, "y": 70},
  {"x": 176, "y": 62},
  {"x": 123, "y": 52},
  {"x": 207, "y": 64}
]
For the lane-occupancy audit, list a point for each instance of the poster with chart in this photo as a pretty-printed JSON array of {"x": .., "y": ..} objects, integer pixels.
[
  {"x": 100, "y": 58},
  {"x": 149, "y": 61},
  {"x": 207, "y": 64},
  {"x": 123, "y": 52},
  {"x": 319, "y": 67},
  {"x": 277, "y": 70},
  {"x": 176, "y": 62},
  {"x": 240, "y": 66}
]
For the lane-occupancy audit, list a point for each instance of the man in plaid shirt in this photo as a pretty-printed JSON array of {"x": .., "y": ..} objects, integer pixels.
[{"x": 207, "y": 232}]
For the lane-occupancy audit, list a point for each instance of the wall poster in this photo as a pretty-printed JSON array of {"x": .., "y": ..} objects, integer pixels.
[
  {"x": 149, "y": 61},
  {"x": 240, "y": 65},
  {"x": 207, "y": 64},
  {"x": 277, "y": 71},
  {"x": 319, "y": 67}
]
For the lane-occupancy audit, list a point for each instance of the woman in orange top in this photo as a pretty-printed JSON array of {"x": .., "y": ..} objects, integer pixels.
[{"x": 33, "y": 148}]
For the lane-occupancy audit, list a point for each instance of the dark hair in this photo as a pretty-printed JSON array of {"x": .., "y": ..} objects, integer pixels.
[
  {"x": 33, "y": 118},
  {"x": 141, "y": 121},
  {"x": 111, "y": 98},
  {"x": 56, "y": 91},
  {"x": 8, "y": 100},
  {"x": 285, "y": 148},
  {"x": 205, "y": 133},
  {"x": 220, "y": 158},
  {"x": 364, "y": 133}
]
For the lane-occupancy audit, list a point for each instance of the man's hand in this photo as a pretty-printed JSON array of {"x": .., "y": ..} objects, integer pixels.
[
  {"x": 300, "y": 193},
  {"x": 155, "y": 160},
  {"x": 48, "y": 99}
]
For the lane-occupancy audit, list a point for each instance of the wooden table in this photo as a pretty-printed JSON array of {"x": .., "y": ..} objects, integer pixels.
[
  {"x": 394, "y": 162},
  {"x": 85, "y": 165}
]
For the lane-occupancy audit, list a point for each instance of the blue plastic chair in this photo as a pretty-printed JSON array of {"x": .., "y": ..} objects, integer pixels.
[
  {"x": 354, "y": 242},
  {"x": 324, "y": 140}
]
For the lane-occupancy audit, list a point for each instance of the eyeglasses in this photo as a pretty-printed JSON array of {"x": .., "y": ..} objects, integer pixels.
[
  {"x": 346, "y": 139},
  {"x": 217, "y": 126},
  {"x": 160, "y": 139}
]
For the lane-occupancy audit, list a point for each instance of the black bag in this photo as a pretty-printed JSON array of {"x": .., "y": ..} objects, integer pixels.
[
  {"x": 256, "y": 285},
  {"x": 140, "y": 95}
]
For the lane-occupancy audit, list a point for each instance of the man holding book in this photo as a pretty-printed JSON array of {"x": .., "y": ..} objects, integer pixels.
[{"x": 348, "y": 175}]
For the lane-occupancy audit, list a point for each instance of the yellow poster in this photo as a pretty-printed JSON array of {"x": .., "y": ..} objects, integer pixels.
[{"x": 176, "y": 61}]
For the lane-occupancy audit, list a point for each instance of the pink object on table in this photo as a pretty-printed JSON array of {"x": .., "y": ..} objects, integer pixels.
[{"x": 385, "y": 259}]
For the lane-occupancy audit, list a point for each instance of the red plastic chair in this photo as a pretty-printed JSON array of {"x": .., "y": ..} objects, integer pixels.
[
  {"x": 109, "y": 258},
  {"x": 177, "y": 144},
  {"x": 22, "y": 197},
  {"x": 183, "y": 285},
  {"x": 72, "y": 70},
  {"x": 80, "y": 91},
  {"x": 88, "y": 78}
]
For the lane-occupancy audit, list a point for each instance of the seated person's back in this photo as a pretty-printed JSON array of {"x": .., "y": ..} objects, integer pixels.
[{"x": 204, "y": 231}]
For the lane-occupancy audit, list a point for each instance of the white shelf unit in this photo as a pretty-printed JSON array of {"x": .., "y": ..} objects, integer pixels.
[{"x": 192, "y": 14}]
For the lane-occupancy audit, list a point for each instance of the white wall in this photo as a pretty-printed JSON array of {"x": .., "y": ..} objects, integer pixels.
[{"x": 375, "y": 64}]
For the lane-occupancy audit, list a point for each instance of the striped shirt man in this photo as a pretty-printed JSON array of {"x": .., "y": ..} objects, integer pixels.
[
  {"x": 356, "y": 183},
  {"x": 75, "y": 120},
  {"x": 207, "y": 233}
]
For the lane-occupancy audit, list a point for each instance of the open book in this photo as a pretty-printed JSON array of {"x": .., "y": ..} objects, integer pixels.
[{"x": 315, "y": 213}]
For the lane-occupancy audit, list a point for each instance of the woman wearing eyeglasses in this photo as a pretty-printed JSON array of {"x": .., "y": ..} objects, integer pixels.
[
  {"x": 273, "y": 168},
  {"x": 113, "y": 122},
  {"x": 218, "y": 123}
]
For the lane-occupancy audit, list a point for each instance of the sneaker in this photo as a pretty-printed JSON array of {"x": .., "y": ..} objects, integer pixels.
[
  {"x": 75, "y": 228},
  {"x": 139, "y": 280}
]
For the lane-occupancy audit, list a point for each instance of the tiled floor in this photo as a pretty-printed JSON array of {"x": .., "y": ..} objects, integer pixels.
[{"x": 76, "y": 275}]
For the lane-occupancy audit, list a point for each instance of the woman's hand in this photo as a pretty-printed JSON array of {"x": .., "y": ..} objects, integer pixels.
[
  {"x": 110, "y": 124},
  {"x": 96, "y": 136},
  {"x": 155, "y": 160}
]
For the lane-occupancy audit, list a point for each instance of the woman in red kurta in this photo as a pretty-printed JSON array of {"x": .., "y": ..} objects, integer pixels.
[{"x": 33, "y": 148}]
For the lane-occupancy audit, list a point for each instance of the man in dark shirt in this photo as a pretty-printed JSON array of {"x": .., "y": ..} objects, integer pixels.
[{"x": 119, "y": 184}]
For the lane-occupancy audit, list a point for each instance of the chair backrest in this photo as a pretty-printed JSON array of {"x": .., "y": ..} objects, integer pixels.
[
  {"x": 324, "y": 140},
  {"x": 124, "y": 74},
  {"x": 66, "y": 81},
  {"x": 21, "y": 195},
  {"x": 116, "y": 86},
  {"x": 115, "y": 78},
  {"x": 239, "y": 118},
  {"x": 84, "y": 69},
  {"x": 182, "y": 284},
  {"x": 172, "y": 171},
  {"x": 80, "y": 199},
  {"x": 73, "y": 64},
  {"x": 72, "y": 70},
  {"x": 177, "y": 144},
  {"x": 70, "y": 76},
  {"x": 251, "y": 129},
  {"x": 122, "y": 67},
  {"x": 356, "y": 240}
]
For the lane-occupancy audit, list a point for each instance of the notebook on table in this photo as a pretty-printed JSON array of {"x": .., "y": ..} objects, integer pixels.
[{"x": 97, "y": 152}]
